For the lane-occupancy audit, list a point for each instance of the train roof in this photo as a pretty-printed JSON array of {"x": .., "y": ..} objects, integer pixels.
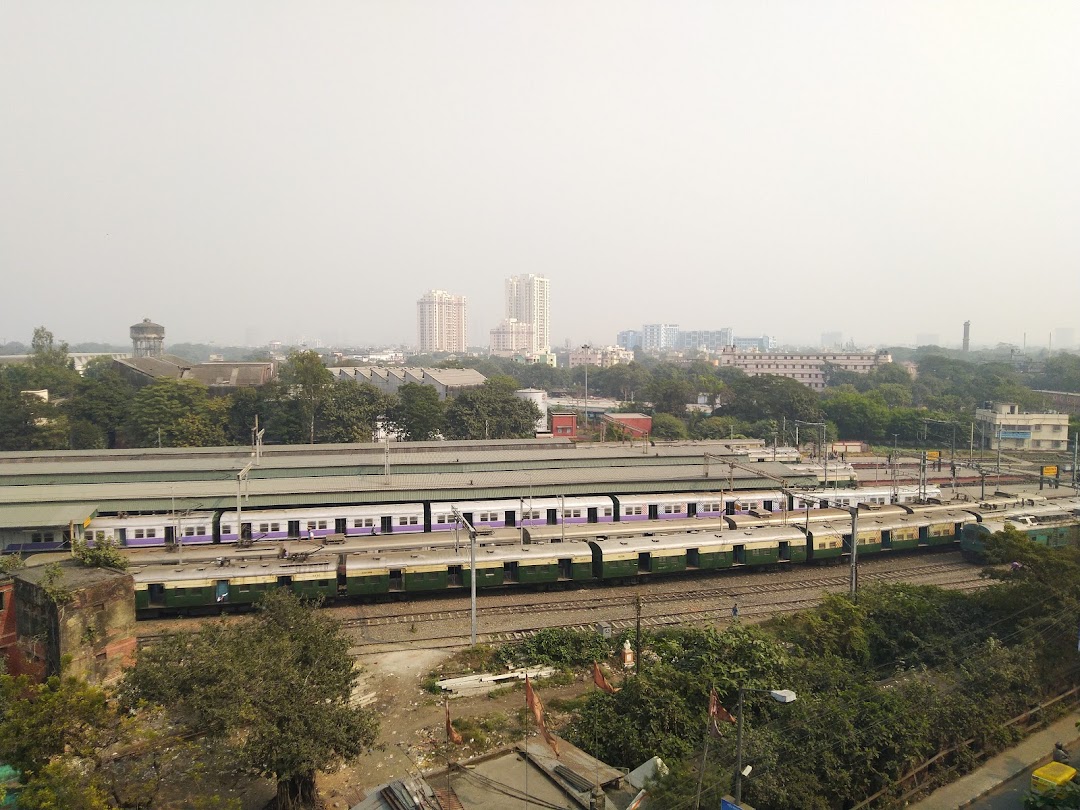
[
  {"x": 686, "y": 540},
  {"x": 449, "y": 557},
  {"x": 231, "y": 569},
  {"x": 624, "y": 528}
]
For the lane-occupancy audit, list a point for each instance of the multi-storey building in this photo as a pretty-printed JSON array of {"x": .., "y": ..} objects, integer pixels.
[
  {"x": 629, "y": 339},
  {"x": 528, "y": 301},
  {"x": 752, "y": 344},
  {"x": 703, "y": 340},
  {"x": 442, "y": 323},
  {"x": 809, "y": 369},
  {"x": 603, "y": 356},
  {"x": 1004, "y": 425},
  {"x": 658, "y": 337},
  {"x": 513, "y": 337}
]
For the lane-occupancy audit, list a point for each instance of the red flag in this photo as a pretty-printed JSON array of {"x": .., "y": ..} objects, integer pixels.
[
  {"x": 717, "y": 712},
  {"x": 599, "y": 679},
  {"x": 532, "y": 701},
  {"x": 451, "y": 733}
]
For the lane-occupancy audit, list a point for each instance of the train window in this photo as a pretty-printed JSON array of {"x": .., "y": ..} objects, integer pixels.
[
  {"x": 226, "y": 528},
  {"x": 151, "y": 532},
  {"x": 139, "y": 534},
  {"x": 244, "y": 588},
  {"x": 633, "y": 510},
  {"x": 264, "y": 527},
  {"x": 275, "y": 527},
  {"x": 607, "y": 511},
  {"x": 189, "y": 532},
  {"x": 363, "y": 523},
  {"x": 35, "y": 537},
  {"x": 311, "y": 524},
  {"x": 201, "y": 530},
  {"x": 322, "y": 524}
]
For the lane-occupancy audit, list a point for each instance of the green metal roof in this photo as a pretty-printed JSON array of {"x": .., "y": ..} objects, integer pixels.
[{"x": 43, "y": 515}]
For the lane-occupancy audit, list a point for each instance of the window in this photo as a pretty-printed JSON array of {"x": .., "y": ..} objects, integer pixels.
[
  {"x": 244, "y": 588},
  {"x": 1, "y": 602},
  {"x": 264, "y": 527},
  {"x": 151, "y": 532},
  {"x": 311, "y": 524},
  {"x": 275, "y": 527},
  {"x": 226, "y": 528},
  {"x": 189, "y": 531},
  {"x": 322, "y": 524},
  {"x": 201, "y": 530},
  {"x": 607, "y": 511},
  {"x": 139, "y": 534},
  {"x": 632, "y": 510},
  {"x": 367, "y": 523}
]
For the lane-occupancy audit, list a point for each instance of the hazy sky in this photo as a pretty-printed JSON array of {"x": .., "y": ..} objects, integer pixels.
[{"x": 244, "y": 171}]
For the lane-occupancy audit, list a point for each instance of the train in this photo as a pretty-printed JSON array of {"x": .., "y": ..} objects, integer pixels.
[
  {"x": 317, "y": 522},
  {"x": 564, "y": 556}
]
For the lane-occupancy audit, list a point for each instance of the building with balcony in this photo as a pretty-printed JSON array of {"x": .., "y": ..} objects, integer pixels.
[{"x": 1002, "y": 425}]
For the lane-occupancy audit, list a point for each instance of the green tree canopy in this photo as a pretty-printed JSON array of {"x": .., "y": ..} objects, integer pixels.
[
  {"x": 491, "y": 411},
  {"x": 278, "y": 689},
  {"x": 417, "y": 412}
]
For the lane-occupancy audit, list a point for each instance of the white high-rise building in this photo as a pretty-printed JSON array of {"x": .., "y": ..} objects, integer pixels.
[
  {"x": 442, "y": 323},
  {"x": 528, "y": 301},
  {"x": 511, "y": 338}
]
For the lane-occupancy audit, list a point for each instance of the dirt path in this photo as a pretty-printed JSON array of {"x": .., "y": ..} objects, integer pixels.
[{"x": 412, "y": 730}]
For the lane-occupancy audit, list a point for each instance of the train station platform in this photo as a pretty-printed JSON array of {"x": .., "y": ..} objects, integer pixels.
[{"x": 969, "y": 790}]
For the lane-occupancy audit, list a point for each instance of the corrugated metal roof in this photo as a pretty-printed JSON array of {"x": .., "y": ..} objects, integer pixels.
[{"x": 39, "y": 515}]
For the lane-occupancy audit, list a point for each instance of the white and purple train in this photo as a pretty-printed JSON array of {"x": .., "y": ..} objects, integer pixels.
[{"x": 316, "y": 523}]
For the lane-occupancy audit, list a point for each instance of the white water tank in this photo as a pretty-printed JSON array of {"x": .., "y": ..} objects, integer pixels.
[{"x": 538, "y": 398}]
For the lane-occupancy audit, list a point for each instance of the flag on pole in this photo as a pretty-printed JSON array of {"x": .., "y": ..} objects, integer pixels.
[
  {"x": 717, "y": 713},
  {"x": 452, "y": 733},
  {"x": 601, "y": 681},
  {"x": 532, "y": 701}
]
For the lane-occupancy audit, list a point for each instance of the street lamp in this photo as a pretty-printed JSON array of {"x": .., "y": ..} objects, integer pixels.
[{"x": 780, "y": 696}]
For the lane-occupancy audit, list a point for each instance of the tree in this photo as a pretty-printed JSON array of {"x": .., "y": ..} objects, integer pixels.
[
  {"x": 277, "y": 689},
  {"x": 417, "y": 413},
  {"x": 491, "y": 411},
  {"x": 308, "y": 381},
  {"x": 666, "y": 426},
  {"x": 349, "y": 412},
  {"x": 176, "y": 413},
  {"x": 103, "y": 399},
  {"x": 670, "y": 391}
]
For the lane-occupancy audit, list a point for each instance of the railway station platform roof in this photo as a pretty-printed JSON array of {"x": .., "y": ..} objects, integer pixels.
[
  {"x": 445, "y": 485},
  {"x": 294, "y": 461}
]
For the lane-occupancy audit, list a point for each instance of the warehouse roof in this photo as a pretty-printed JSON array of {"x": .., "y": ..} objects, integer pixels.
[{"x": 36, "y": 515}]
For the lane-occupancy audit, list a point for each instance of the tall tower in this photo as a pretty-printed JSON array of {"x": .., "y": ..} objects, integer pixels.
[
  {"x": 147, "y": 338},
  {"x": 442, "y": 323},
  {"x": 528, "y": 301},
  {"x": 967, "y": 335}
]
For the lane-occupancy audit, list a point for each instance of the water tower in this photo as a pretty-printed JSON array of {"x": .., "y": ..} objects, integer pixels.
[{"x": 147, "y": 338}]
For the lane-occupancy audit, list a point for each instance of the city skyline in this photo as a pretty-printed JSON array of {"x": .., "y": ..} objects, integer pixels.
[{"x": 242, "y": 173}]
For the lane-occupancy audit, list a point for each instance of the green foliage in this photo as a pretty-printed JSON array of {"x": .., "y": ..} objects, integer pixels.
[
  {"x": 104, "y": 553},
  {"x": 308, "y": 382},
  {"x": 666, "y": 426},
  {"x": 1064, "y": 798},
  {"x": 10, "y": 563},
  {"x": 52, "y": 583},
  {"x": 277, "y": 689},
  {"x": 179, "y": 412},
  {"x": 491, "y": 411},
  {"x": 417, "y": 413},
  {"x": 556, "y": 647}
]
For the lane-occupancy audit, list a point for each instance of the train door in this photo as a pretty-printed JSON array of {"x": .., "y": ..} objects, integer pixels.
[
  {"x": 693, "y": 558},
  {"x": 170, "y": 535},
  {"x": 644, "y": 562},
  {"x": 691, "y": 509},
  {"x": 654, "y": 512},
  {"x": 294, "y": 529},
  {"x": 729, "y": 507},
  {"x": 342, "y": 576},
  {"x": 785, "y": 550},
  {"x": 739, "y": 555},
  {"x": 156, "y": 594},
  {"x": 510, "y": 519},
  {"x": 386, "y": 524},
  {"x": 122, "y": 533},
  {"x": 284, "y": 582},
  {"x": 767, "y": 505},
  {"x": 469, "y": 517},
  {"x": 454, "y": 578},
  {"x": 886, "y": 539},
  {"x": 552, "y": 517},
  {"x": 397, "y": 581},
  {"x": 245, "y": 532},
  {"x": 510, "y": 572},
  {"x": 221, "y": 590},
  {"x": 566, "y": 568},
  {"x": 593, "y": 518},
  {"x": 341, "y": 525}
]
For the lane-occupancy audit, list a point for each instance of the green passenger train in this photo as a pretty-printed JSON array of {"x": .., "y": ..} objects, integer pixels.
[{"x": 600, "y": 554}]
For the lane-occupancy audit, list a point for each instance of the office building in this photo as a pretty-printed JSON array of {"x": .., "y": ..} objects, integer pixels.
[
  {"x": 703, "y": 340},
  {"x": 658, "y": 337},
  {"x": 442, "y": 323}
]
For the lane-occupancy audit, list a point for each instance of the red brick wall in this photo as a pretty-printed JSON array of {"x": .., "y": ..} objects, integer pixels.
[{"x": 564, "y": 425}]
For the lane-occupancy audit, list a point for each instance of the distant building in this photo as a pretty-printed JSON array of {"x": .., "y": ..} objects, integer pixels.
[
  {"x": 832, "y": 340},
  {"x": 703, "y": 340},
  {"x": 388, "y": 379},
  {"x": 658, "y": 337},
  {"x": 537, "y": 397},
  {"x": 564, "y": 424},
  {"x": 754, "y": 344},
  {"x": 513, "y": 337},
  {"x": 635, "y": 425},
  {"x": 442, "y": 323},
  {"x": 528, "y": 301},
  {"x": 1004, "y": 424},
  {"x": 220, "y": 378},
  {"x": 629, "y": 339},
  {"x": 809, "y": 369},
  {"x": 602, "y": 356}
]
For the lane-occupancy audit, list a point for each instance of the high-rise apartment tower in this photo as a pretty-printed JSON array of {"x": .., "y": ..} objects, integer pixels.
[
  {"x": 442, "y": 323},
  {"x": 528, "y": 301}
]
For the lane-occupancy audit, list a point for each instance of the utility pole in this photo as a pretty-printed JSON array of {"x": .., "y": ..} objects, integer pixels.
[
  {"x": 460, "y": 518},
  {"x": 854, "y": 589},
  {"x": 240, "y": 477},
  {"x": 588, "y": 357}
]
